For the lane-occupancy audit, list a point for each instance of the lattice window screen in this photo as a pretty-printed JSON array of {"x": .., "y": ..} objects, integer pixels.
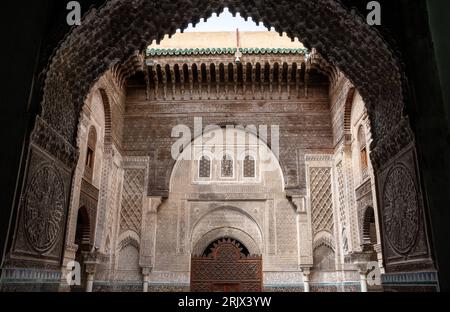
[
  {"x": 204, "y": 167},
  {"x": 249, "y": 167},
  {"x": 227, "y": 166}
]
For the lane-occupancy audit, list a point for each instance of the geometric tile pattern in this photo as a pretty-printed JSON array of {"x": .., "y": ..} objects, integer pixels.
[
  {"x": 132, "y": 199},
  {"x": 321, "y": 200}
]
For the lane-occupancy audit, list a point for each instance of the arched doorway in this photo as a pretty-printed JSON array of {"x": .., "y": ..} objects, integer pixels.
[
  {"x": 226, "y": 266},
  {"x": 369, "y": 232},
  {"x": 83, "y": 240}
]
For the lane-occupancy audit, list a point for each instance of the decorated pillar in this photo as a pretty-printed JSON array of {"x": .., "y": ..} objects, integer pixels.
[
  {"x": 405, "y": 234},
  {"x": 36, "y": 251},
  {"x": 103, "y": 201},
  {"x": 304, "y": 231},
  {"x": 348, "y": 221},
  {"x": 148, "y": 237}
]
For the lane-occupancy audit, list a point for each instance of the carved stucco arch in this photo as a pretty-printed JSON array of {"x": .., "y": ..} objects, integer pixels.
[
  {"x": 254, "y": 247},
  {"x": 348, "y": 113},
  {"x": 244, "y": 213},
  {"x": 106, "y": 104},
  {"x": 198, "y": 234},
  {"x": 368, "y": 215},
  {"x": 107, "y": 144},
  {"x": 128, "y": 238},
  {"x": 324, "y": 238},
  {"x": 113, "y": 33},
  {"x": 108, "y": 118}
]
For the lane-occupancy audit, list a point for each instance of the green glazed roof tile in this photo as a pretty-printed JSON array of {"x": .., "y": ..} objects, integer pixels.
[{"x": 214, "y": 51}]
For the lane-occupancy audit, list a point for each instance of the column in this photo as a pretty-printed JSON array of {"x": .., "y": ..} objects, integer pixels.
[
  {"x": 304, "y": 232},
  {"x": 361, "y": 261},
  {"x": 306, "y": 274},
  {"x": 363, "y": 280},
  {"x": 90, "y": 270},
  {"x": 377, "y": 248},
  {"x": 148, "y": 237},
  {"x": 146, "y": 278}
]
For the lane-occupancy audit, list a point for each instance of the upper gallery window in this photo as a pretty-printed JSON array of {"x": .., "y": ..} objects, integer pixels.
[
  {"x": 204, "y": 168},
  {"x": 227, "y": 167},
  {"x": 90, "y": 154},
  {"x": 249, "y": 167},
  {"x": 364, "y": 161}
]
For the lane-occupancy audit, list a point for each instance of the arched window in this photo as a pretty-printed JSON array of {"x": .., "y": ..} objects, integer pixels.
[
  {"x": 90, "y": 154},
  {"x": 369, "y": 228},
  {"x": 227, "y": 167},
  {"x": 364, "y": 161},
  {"x": 249, "y": 167},
  {"x": 369, "y": 232},
  {"x": 83, "y": 230},
  {"x": 204, "y": 167}
]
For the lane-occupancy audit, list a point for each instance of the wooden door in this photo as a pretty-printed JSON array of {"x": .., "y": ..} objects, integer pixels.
[
  {"x": 226, "y": 269},
  {"x": 220, "y": 287}
]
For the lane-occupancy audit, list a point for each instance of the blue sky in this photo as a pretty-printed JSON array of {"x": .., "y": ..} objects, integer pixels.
[{"x": 226, "y": 22}]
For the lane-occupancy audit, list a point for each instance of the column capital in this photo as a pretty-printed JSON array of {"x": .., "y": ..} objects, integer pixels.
[
  {"x": 91, "y": 267},
  {"x": 147, "y": 270},
  {"x": 154, "y": 202},
  {"x": 306, "y": 271},
  {"x": 71, "y": 247},
  {"x": 360, "y": 260},
  {"x": 299, "y": 202}
]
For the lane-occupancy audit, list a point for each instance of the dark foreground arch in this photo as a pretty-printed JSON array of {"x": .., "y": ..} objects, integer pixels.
[{"x": 114, "y": 32}]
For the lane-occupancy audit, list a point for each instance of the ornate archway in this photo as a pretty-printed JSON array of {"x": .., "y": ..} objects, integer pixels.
[
  {"x": 115, "y": 33},
  {"x": 344, "y": 39}
]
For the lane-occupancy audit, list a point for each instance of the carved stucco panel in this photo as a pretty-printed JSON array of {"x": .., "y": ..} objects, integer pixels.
[
  {"x": 43, "y": 209},
  {"x": 401, "y": 208}
]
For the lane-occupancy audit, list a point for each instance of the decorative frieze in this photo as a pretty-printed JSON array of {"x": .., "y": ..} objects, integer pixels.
[
  {"x": 54, "y": 143},
  {"x": 397, "y": 139}
]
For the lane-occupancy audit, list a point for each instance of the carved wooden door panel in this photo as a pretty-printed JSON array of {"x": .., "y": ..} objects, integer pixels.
[
  {"x": 226, "y": 269},
  {"x": 220, "y": 287}
]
